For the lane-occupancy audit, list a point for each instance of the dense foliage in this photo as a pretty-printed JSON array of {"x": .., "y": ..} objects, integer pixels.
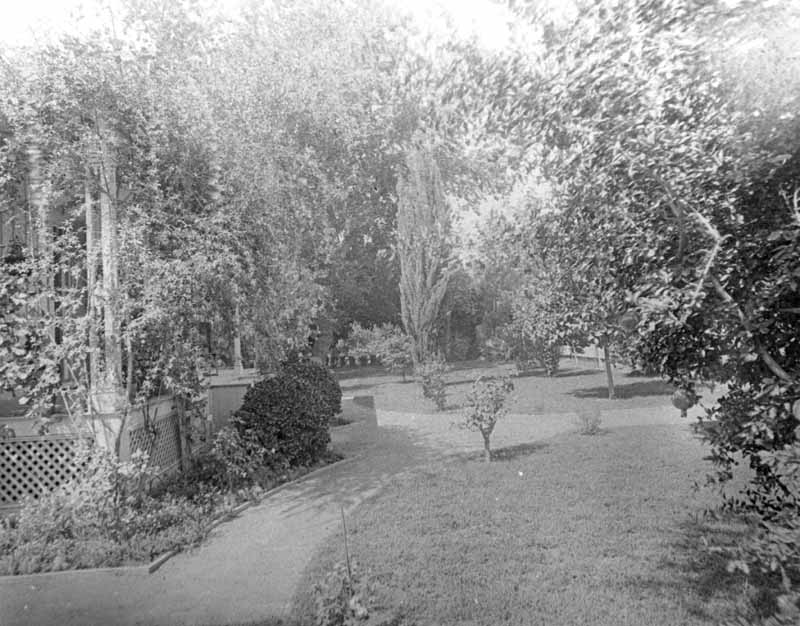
[
  {"x": 431, "y": 378},
  {"x": 287, "y": 417},
  {"x": 320, "y": 378},
  {"x": 388, "y": 342},
  {"x": 675, "y": 177}
]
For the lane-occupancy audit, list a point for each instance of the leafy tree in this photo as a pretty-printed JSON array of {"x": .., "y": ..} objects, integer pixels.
[
  {"x": 652, "y": 137},
  {"x": 486, "y": 406},
  {"x": 423, "y": 248}
]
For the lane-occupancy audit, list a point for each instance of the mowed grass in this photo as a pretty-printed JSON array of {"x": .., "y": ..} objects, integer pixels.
[
  {"x": 575, "y": 530},
  {"x": 576, "y": 387}
]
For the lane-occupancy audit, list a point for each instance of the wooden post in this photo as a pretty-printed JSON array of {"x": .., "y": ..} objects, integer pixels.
[{"x": 109, "y": 248}]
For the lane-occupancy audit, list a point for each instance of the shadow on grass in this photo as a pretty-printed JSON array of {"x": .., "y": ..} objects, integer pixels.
[
  {"x": 701, "y": 569},
  {"x": 365, "y": 371},
  {"x": 540, "y": 373},
  {"x": 634, "y": 373},
  {"x": 507, "y": 453},
  {"x": 629, "y": 390},
  {"x": 348, "y": 389},
  {"x": 273, "y": 621}
]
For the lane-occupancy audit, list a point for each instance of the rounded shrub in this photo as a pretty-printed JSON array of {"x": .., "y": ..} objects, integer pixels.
[
  {"x": 319, "y": 377},
  {"x": 286, "y": 418}
]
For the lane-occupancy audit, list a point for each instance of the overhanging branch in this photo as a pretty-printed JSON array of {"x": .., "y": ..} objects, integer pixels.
[{"x": 768, "y": 359}]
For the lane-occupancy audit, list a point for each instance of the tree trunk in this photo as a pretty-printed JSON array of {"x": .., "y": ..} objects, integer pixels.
[
  {"x": 609, "y": 373},
  {"x": 448, "y": 334},
  {"x": 237, "y": 340},
  {"x": 487, "y": 450},
  {"x": 92, "y": 250}
]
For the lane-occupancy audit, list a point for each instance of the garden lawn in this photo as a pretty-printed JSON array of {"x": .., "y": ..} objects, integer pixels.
[
  {"x": 575, "y": 388},
  {"x": 573, "y": 530}
]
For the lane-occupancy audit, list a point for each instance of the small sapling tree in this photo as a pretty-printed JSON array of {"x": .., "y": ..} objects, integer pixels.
[
  {"x": 486, "y": 405},
  {"x": 431, "y": 377}
]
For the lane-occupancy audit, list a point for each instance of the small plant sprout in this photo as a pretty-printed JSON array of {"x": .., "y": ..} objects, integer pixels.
[{"x": 485, "y": 406}]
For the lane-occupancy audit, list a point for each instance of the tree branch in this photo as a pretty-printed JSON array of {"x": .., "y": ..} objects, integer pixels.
[
  {"x": 768, "y": 359},
  {"x": 678, "y": 211}
]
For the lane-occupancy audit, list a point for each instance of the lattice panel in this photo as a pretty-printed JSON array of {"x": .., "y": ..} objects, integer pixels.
[
  {"x": 31, "y": 466},
  {"x": 163, "y": 446}
]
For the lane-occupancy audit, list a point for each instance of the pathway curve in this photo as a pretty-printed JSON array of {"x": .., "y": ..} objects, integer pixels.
[{"x": 248, "y": 569}]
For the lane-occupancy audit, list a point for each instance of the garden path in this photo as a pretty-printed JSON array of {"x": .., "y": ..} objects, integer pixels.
[{"x": 249, "y": 567}]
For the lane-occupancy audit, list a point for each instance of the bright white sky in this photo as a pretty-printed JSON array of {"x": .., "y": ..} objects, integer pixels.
[{"x": 20, "y": 20}]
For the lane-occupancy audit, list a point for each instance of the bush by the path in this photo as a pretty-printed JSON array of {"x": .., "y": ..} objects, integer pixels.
[
  {"x": 287, "y": 419},
  {"x": 321, "y": 378}
]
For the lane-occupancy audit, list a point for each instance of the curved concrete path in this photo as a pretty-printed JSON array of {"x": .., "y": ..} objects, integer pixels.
[{"x": 248, "y": 569}]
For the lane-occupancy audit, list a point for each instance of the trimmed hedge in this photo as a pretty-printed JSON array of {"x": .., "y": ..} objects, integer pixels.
[
  {"x": 287, "y": 417},
  {"x": 321, "y": 378}
]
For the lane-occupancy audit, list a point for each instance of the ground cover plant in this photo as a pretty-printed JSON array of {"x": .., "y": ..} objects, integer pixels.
[
  {"x": 105, "y": 517},
  {"x": 574, "y": 530},
  {"x": 118, "y": 513}
]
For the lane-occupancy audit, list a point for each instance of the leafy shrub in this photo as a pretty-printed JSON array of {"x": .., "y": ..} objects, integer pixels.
[
  {"x": 773, "y": 548},
  {"x": 238, "y": 457},
  {"x": 321, "y": 378},
  {"x": 388, "y": 342},
  {"x": 287, "y": 420},
  {"x": 542, "y": 321},
  {"x": 431, "y": 376},
  {"x": 486, "y": 406},
  {"x": 342, "y": 596},
  {"x": 589, "y": 423},
  {"x": 104, "y": 517}
]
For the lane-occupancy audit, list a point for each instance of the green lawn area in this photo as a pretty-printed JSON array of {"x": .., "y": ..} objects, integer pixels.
[
  {"x": 599, "y": 530},
  {"x": 576, "y": 387}
]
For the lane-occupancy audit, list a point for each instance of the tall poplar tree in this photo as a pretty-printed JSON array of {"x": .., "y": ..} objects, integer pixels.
[{"x": 423, "y": 221}]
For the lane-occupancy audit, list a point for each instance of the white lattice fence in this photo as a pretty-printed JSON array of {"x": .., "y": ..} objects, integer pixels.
[
  {"x": 161, "y": 441},
  {"x": 31, "y": 466}
]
